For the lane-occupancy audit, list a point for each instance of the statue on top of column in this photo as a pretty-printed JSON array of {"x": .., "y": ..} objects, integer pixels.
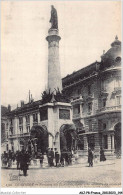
[{"x": 54, "y": 18}]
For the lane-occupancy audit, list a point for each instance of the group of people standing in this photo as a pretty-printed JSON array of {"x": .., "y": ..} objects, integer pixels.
[
  {"x": 60, "y": 159},
  {"x": 8, "y": 158},
  {"x": 91, "y": 156},
  {"x": 22, "y": 159}
]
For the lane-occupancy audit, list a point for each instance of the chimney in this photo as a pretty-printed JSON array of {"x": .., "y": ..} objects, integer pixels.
[
  {"x": 29, "y": 96},
  {"x": 9, "y": 108},
  {"x": 22, "y": 103}
]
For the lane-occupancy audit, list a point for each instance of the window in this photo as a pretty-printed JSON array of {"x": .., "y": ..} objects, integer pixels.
[
  {"x": 81, "y": 144},
  {"x": 117, "y": 82},
  {"x": 11, "y": 121},
  {"x": 89, "y": 89},
  {"x": 7, "y": 148},
  {"x": 90, "y": 107},
  {"x": 21, "y": 130},
  {"x": 91, "y": 142},
  {"x": 90, "y": 125},
  {"x": 7, "y": 135},
  {"x": 104, "y": 126},
  {"x": 105, "y": 141},
  {"x": 28, "y": 128},
  {"x": 11, "y": 130},
  {"x": 104, "y": 103},
  {"x": 20, "y": 120},
  {"x": 103, "y": 85},
  {"x": 7, "y": 126},
  {"x": 27, "y": 119},
  {"x": 35, "y": 117},
  {"x": 118, "y": 100},
  {"x": 76, "y": 109},
  {"x": 43, "y": 114}
]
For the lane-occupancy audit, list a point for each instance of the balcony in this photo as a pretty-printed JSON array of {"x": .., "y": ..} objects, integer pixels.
[
  {"x": 104, "y": 92},
  {"x": 77, "y": 100},
  {"x": 12, "y": 136},
  {"x": 89, "y": 97},
  {"x": 109, "y": 109},
  {"x": 35, "y": 123}
]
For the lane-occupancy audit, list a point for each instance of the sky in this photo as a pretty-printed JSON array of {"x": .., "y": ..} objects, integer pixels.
[{"x": 86, "y": 29}]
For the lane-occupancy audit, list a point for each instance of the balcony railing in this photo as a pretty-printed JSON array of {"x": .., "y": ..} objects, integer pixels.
[
  {"x": 18, "y": 135},
  {"x": 77, "y": 99},
  {"x": 112, "y": 108},
  {"x": 104, "y": 92},
  {"x": 35, "y": 122}
]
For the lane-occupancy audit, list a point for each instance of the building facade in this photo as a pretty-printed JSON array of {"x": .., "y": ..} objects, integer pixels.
[
  {"x": 4, "y": 128},
  {"x": 95, "y": 94}
]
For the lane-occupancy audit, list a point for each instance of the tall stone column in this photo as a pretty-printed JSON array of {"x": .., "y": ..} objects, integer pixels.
[
  {"x": 54, "y": 75},
  {"x": 97, "y": 144},
  {"x": 112, "y": 142},
  {"x": 85, "y": 143},
  {"x": 109, "y": 142}
]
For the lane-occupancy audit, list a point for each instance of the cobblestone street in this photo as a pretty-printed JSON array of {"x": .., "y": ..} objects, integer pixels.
[{"x": 103, "y": 174}]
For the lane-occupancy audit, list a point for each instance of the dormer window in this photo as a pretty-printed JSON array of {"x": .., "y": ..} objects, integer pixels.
[
  {"x": 104, "y": 103},
  {"x": 118, "y": 59}
]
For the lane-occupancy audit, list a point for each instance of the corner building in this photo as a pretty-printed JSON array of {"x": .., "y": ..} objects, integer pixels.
[{"x": 95, "y": 94}]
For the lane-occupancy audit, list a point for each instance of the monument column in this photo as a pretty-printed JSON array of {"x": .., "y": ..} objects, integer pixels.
[{"x": 54, "y": 75}]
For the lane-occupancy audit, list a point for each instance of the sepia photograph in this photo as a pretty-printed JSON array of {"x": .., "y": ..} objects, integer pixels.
[{"x": 61, "y": 94}]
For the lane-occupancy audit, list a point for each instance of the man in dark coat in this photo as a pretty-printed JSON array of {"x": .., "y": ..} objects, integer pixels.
[
  {"x": 102, "y": 155},
  {"x": 56, "y": 156},
  {"x": 90, "y": 157},
  {"x": 49, "y": 156},
  {"x": 18, "y": 159},
  {"x": 24, "y": 162},
  {"x": 52, "y": 157}
]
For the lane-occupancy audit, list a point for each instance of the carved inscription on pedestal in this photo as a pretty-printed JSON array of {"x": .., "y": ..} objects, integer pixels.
[{"x": 64, "y": 114}]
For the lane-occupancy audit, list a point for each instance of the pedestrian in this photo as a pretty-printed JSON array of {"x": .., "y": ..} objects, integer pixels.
[
  {"x": 41, "y": 157},
  {"x": 24, "y": 162},
  {"x": 52, "y": 157},
  {"x": 18, "y": 159},
  {"x": 90, "y": 157},
  {"x": 9, "y": 159},
  {"x": 49, "y": 157},
  {"x": 62, "y": 159},
  {"x": 56, "y": 157},
  {"x": 102, "y": 155}
]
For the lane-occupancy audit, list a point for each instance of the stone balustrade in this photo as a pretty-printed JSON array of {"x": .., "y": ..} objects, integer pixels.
[{"x": 111, "y": 108}]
